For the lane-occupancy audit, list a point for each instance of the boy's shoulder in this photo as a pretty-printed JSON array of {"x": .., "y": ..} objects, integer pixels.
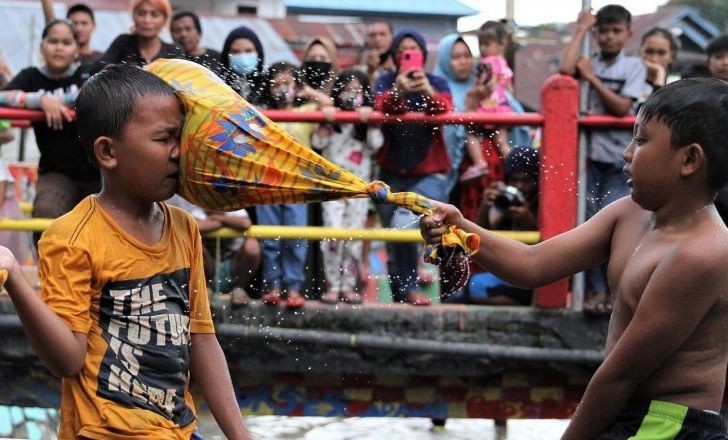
[{"x": 68, "y": 227}]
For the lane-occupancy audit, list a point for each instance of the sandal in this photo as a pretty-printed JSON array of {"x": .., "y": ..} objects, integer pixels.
[
  {"x": 330, "y": 298},
  {"x": 294, "y": 300},
  {"x": 238, "y": 297},
  {"x": 418, "y": 299},
  {"x": 599, "y": 305},
  {"x": 351, "y": 297},
  {"x": 272, "y": 298}
]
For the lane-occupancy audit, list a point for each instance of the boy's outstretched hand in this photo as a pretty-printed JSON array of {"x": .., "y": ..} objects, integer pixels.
[
  {"x": 432, "y": 227},
  {"x": 7, "y": 264}
]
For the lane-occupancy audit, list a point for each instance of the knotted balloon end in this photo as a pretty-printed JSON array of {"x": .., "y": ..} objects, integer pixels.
[{"x": 378, "y": 191}]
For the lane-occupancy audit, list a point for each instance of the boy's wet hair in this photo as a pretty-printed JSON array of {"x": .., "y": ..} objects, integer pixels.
[
  {"x": 47, "y": 28},
  {"x": 696, "y": 111},
  {"x": 105, "y": 104},
  {"x": 492, "y": 31},
  {"x": 717, "y": 45},
  {"x": 612, "y": 14}
]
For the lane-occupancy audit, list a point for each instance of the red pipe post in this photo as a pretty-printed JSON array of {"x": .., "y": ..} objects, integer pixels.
[{"x": 558, "y": 174}]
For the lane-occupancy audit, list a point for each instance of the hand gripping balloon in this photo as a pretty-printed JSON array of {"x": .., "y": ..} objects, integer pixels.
[{"x": 233, "y": 157}]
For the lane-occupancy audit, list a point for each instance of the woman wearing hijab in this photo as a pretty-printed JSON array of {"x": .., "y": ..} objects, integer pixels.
[
  {"x": 455, "y": 64},
  {"x": 414, "y": 156},
  {"x": 243, "y": 56}
]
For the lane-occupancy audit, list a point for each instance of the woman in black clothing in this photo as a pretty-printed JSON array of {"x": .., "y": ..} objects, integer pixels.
[
  {"x": 143, "y": 45},
  {"x": 243, "y": 57}
]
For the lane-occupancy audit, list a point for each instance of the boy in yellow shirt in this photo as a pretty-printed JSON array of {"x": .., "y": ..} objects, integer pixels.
[{"x": 123, "y": 315}]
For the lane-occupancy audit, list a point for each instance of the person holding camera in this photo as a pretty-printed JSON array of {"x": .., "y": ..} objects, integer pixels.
[
  {"x": 513, "y": 205},
  {"x": 414, "y": 156},
  {"x": 509, "y": 206}
]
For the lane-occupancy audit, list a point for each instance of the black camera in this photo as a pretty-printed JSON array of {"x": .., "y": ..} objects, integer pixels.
[{"x": 509, "y": 196}]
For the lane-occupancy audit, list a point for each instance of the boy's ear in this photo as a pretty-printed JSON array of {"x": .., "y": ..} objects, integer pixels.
[
  {"x": 693, "y": 158},
  {"x": 105, "y": 152}
]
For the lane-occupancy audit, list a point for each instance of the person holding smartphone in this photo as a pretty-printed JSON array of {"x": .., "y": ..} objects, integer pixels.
[{"x": 414, "y": 156}]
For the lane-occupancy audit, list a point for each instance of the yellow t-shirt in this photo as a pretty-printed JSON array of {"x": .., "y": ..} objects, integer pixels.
[{"x": 138, "y": 304}]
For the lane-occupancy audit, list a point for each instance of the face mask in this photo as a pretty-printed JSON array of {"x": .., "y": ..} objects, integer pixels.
[
  {"x": 282, "y": 97},
  {"x": 350, "y": 101},
  {"x": 316, "y": 73},
  {"x": 243, "y": 63}
]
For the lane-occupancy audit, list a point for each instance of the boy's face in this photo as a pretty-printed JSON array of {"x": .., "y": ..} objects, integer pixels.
[
  {"x": 611, "y": 37},
  {"x": 718, "y": 65},
  {"x": 146, "y": 161},
  {"x": 653, "y": 165}
]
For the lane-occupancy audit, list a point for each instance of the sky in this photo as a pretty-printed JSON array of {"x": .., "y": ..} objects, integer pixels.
[{"x": 533, "y": 12}]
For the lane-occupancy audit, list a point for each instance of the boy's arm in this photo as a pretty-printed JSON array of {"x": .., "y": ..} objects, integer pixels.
[
  {"x": 210, "y": 370},
  {"x": 667, "y": 314},
  {"x": 572, "y": 54},
  {"x": 61, "y": 349},
  {"x": 617, "y": 104},
  {"x": 530, "y": 266}
]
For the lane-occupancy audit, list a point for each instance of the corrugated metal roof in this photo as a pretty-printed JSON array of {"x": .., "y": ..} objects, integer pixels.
[{"x": 449, "y": 8}]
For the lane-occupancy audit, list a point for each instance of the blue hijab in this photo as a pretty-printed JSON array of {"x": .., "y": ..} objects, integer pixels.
[{"x": 458, "y": 89}]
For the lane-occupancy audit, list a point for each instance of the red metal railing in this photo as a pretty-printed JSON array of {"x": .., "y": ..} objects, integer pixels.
[{"x": 559, "y": 158}]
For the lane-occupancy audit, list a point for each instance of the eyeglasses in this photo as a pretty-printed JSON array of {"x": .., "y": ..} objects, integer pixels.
[{"x": 658, "y": 52}]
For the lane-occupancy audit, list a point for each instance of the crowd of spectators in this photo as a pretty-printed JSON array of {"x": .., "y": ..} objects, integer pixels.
[{"x": 491, "y": 178}]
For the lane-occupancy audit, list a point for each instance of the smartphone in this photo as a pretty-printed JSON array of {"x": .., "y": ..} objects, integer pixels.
[{"x": 411, "y": 60}]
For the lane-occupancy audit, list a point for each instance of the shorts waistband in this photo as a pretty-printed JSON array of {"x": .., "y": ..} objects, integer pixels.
[{"x": 679, "y": 413}]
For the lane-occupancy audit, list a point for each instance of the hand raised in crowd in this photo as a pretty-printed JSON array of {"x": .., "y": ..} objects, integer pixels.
[
  {"x": 433, "y": 227},
  {"x": 413, "y": 81},
  {"x": 306, "y": 91},
  {"x": 55, "y": 112},
  {"x": 364, "y": 113},
  {"x": 490, "y": 193},
  {"x": 329, "y": 112},
  {"x": 586, "y": 20}
]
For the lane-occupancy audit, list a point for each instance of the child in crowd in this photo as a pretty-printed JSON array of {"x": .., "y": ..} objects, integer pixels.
[
  {"x": 616, "y": 82},
  {"x": 351, "y": 146},
  {"x": 284, "y": 260},
  {"x": 65, "y": 175},
  {"x": 658, "y": 50},
  {"x": 494, "y": 72},
  {"x": 717, "y": 52},
  {"x": 663, "y": 376},
  {"x": 123, "y": 316},
  {"x": 413, "y": 157}
]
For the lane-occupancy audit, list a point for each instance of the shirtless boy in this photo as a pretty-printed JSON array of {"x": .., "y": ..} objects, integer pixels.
[{"x": 667, "y": 250}]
